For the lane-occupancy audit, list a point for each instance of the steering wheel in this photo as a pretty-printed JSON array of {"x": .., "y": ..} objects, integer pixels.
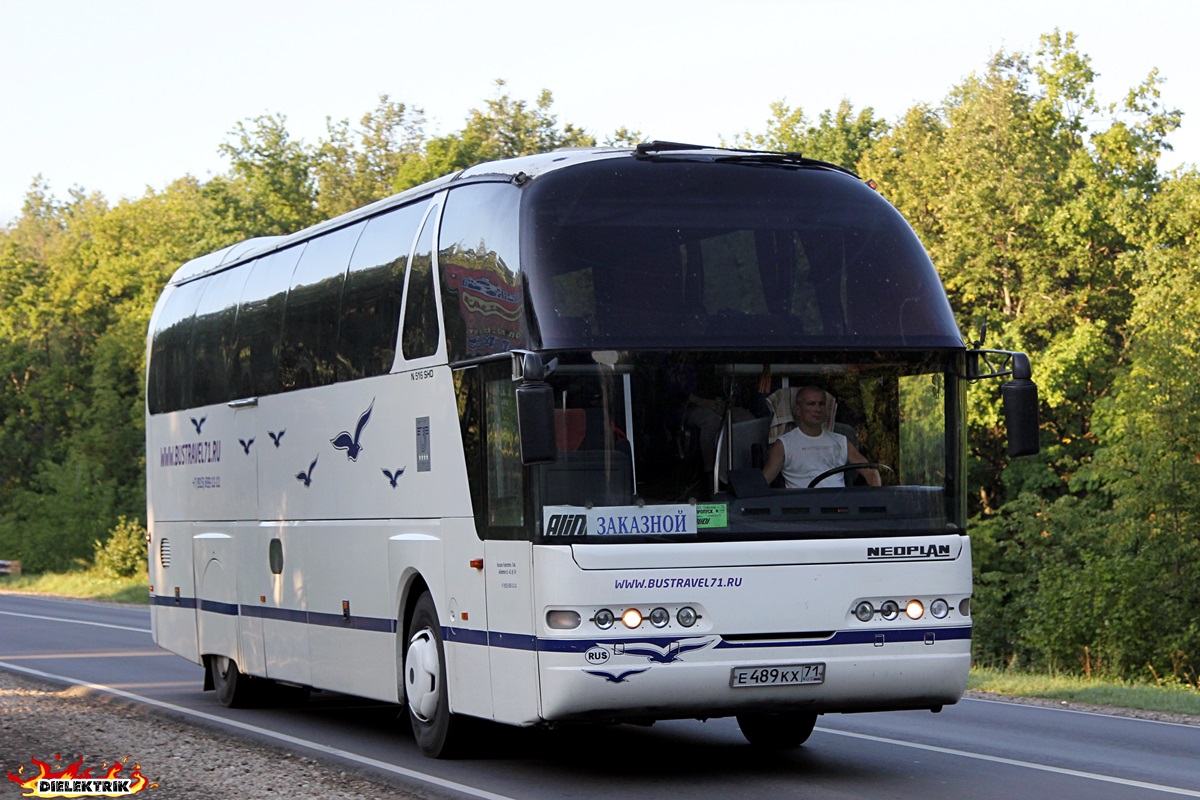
[{"x": 847, "y": 468}]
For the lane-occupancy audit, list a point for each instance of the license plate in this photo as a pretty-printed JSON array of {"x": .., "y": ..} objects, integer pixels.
[{"x": 786, "y": 675}]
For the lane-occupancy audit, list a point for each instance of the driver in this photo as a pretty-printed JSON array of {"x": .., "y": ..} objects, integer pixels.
[{"x": 807, "y": 450}]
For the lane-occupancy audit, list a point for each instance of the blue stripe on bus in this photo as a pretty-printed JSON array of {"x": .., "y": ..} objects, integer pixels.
[
  {"x": 284, "y": 614},
  {"x": 521, "y": 641},
  {"x": 171, "y": 600},
  {"x": 889, "y": 636},
  {"x": 270, "y": 612},
  {"x": 356, "y": 623},
  {"x": 216, "y": 607}
]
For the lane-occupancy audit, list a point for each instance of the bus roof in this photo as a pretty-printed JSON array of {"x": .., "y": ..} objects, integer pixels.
[{"x": 513, "y": 169}]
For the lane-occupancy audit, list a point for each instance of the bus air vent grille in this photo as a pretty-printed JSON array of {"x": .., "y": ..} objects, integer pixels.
[{"x": 164, "y": 552}]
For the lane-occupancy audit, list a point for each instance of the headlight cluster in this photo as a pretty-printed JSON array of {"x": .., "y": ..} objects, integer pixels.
[
  {"x": 914, "y": 609},
  {"x": 632, "y": 618}
]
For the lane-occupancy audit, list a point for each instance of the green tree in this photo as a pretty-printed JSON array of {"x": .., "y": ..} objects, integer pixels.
[
  {"x": 1141, "y": 482},
  {"x": 354, "y": 168},
  {"x": 1030, "y": 195},
  {"x": 504, "y": 128},
  {"x": 271, "y": 189},
  {"x": 78, "y": 281}
]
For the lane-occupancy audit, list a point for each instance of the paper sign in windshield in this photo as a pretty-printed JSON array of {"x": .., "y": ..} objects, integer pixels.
[{"x": 573, "y": 521}]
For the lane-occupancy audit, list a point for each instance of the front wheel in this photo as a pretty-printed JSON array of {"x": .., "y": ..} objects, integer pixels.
[
  {"x": 777, "y": 731},
  {"x": 438, "y": 732}
]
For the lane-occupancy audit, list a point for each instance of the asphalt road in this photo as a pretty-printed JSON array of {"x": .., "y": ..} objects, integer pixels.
[{"x": 977, "y": 749}]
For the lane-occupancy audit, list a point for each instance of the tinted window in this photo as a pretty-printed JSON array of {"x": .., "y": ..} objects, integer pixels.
[
  {"x": 482, "y": 299},
  {"x": 310, "y": 322},
  {"x": 212, "y": 336},
  {"x": 487, "y": 405},
  {"x": 255, "y": 362},
  {"x": 693, "y": 253},
  {"x": 169, "y": 383},
  {"x": 370, "y": 313},
  {"x": 420, "y": 336}
]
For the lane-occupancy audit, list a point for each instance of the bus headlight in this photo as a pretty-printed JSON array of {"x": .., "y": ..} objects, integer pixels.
[
  {"x": 604, "y": 619},
  {"x": 939, "y": 608},
  {"x": 687, "y": 616},
  {"x": 889, "y": 610},
  {"x": 632, "y": 618},
  {"x": 659, "y": 618},
  {"x": 915, "y": 609},
  {"x": 864, "y": 611}
]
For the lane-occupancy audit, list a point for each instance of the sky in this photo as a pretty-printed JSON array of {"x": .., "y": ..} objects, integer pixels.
[{"x": 124, "y": 96}]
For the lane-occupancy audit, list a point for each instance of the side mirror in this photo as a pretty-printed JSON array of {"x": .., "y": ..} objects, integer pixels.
[
  {"x": 535, "y": 409},
  {"x": 1021, "y": 409}
]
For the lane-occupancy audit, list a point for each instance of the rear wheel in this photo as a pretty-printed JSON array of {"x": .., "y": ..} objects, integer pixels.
[
  {"x": 777, "y": 731},
  {"x": 235, "y": 689},
  {"x": 438, "y": 732}
]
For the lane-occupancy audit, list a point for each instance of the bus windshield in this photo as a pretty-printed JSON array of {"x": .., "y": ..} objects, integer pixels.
[
  {"x": 683, "y": 254},
  {"x": 692, "y": 429}
]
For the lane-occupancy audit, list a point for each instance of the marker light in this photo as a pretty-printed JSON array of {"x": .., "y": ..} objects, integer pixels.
[
  {"x": 687, "y": 616},
  {"x": 562, "y": 620},
  {"x": 939, "y": 608},
  {"x": 964, "y": 607},
  {"x": 632, "y": 618},
  {"x": 603, "y": 619},
  {"x": 864, "y": 611},
  {"x": 659, "y": 618},
  {"x": 889, "y": 610},
  {"x": 914, "y": 609}
]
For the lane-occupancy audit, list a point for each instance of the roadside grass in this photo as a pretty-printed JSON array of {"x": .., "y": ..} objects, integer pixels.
[
  {"x": 1168, "y": 696},
  {"x": 87, "y": 584}
]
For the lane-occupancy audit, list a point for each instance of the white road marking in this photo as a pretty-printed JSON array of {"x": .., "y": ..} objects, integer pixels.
[
  {"x": 1012, "y": 762},
  {"x": 76, "y": 622},
  {"x": 282, "y": 737}
]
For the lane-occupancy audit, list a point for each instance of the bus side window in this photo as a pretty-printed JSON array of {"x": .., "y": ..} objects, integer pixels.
[
  {"x": 370, "y": 311},
  {"x": 487, "y": 406},
  {"x": 255, "y": 359},
  {"x": 212, "y": 336},
  {"x": 483, "y": 303},
  {"x": 467, "y": 390},
  {"x": 420, "y": 336},
  {"x": 169, "y": 386},
  {"x": 310, "y": 320}
]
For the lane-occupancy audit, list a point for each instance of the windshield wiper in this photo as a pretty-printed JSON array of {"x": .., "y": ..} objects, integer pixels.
[{"x": 659, "y": 150}]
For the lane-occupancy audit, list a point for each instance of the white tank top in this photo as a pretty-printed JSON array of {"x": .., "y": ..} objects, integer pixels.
[{"x": 805, "y": 457}]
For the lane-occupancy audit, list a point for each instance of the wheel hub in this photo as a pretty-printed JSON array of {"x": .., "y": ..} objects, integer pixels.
[{"x": 421, "y": 671}]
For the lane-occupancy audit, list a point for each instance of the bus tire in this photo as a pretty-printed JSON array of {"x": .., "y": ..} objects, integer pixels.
[
  {"x": 777, "y": 731},
  {"x": 438, "y": 732},
  {"x": 235, "y": 689}
]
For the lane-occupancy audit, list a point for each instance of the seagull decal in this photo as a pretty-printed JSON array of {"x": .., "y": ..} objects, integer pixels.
[
  {"x": 620, "y": 677},
  {"x": 394, "y": 476},
  {"x": 198, "y": 424},
  {"x": 343, "y": 441},
  {"x": 306, "y": 477},
  {"x": 657, "y": 654},
  {"x": 246, "y": 444},
  {"x": 275, "y": 437}
]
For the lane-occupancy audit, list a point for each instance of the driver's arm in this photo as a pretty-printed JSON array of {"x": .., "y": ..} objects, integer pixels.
[
  {"x": 774, "y": 461},
  {"x": 855, "y": 457}
]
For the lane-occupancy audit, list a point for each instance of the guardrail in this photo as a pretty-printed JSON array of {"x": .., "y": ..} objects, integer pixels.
[{"x": 10, "y": 567}]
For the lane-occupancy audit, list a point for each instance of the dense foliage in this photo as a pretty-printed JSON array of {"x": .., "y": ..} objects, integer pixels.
[{"x": 1043, "y": 208}]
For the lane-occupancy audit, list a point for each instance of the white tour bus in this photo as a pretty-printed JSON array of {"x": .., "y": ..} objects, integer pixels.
[{"x": 492, "y": 448}]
